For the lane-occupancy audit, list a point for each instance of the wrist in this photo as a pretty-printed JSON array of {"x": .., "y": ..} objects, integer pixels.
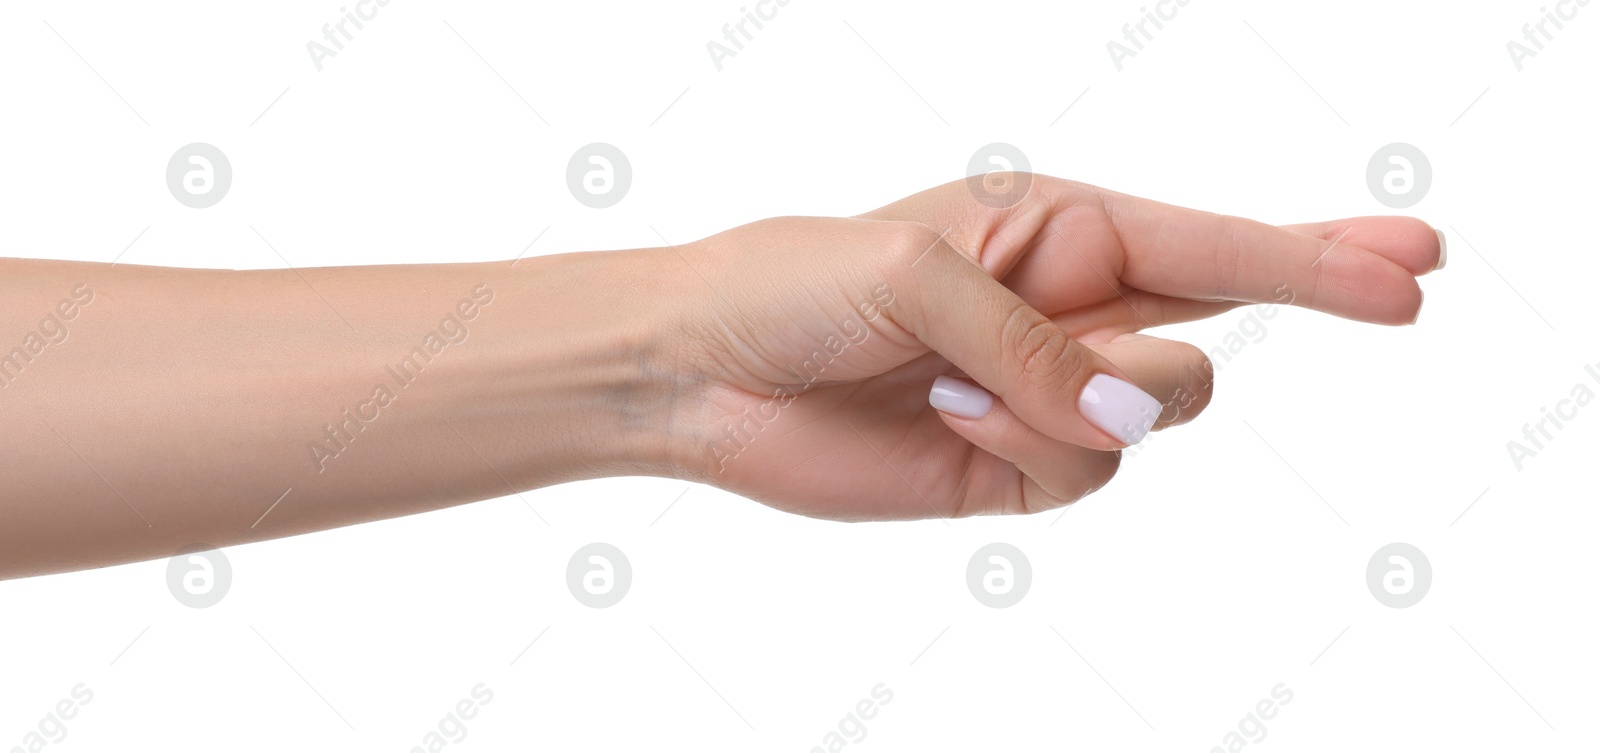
[{"x": 597, "y": 364}]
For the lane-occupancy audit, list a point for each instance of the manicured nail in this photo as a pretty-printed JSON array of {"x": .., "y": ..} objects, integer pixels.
[
  {"x": 1440, "y": 233},
  {"x": 1120, "y": 409},
  {"x": 960, "y": 398}
]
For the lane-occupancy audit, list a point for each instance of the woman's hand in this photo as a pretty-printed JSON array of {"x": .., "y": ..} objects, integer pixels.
[
  {"x": 814, "y": 343},
  {"x": 790, "y": 361}
]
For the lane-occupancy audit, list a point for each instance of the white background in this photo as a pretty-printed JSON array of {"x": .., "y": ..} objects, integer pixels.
[{"x": 1161, "y": 610}]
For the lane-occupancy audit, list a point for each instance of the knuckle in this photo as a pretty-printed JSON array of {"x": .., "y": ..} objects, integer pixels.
[
  {"x": 1194, "y": 388},
  {"x": 907, "y": 241},
  {"x": 1225, "y": 254},
  {"x": 1095, "y": 475},
  {"x": 1042, "y": 351},
  {"x": 1106, "y": 470},
  {"x": 895, "y": 247},
  {"x": 1197, "y": 369}
]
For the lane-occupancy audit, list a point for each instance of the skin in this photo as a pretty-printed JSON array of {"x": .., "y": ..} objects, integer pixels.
[{"x": 182, "y": 403}]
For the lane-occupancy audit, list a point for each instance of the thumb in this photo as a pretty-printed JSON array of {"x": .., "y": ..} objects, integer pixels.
[{"x": 1052, "y": 382}]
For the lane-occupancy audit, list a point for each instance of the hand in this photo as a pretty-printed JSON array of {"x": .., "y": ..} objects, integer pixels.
[{"x": 815, "y": 341}]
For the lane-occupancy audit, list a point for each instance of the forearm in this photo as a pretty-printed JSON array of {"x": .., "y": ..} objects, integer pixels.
[{"x": 179, "y": 406}]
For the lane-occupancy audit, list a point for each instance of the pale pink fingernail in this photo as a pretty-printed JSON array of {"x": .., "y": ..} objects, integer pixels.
[
  {"x": 1120, "y": 409},
  {"x": 1442, "y": 244},
  {"x": 960, "y": 398}
]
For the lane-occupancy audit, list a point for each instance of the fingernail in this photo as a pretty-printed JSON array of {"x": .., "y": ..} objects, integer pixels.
[
  {"x": 1120, "y": 409},
  {"x": 1420, "y": 297},
  {"x": 960, "y": 398},
  {"x": 1440, "y": 233}
]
